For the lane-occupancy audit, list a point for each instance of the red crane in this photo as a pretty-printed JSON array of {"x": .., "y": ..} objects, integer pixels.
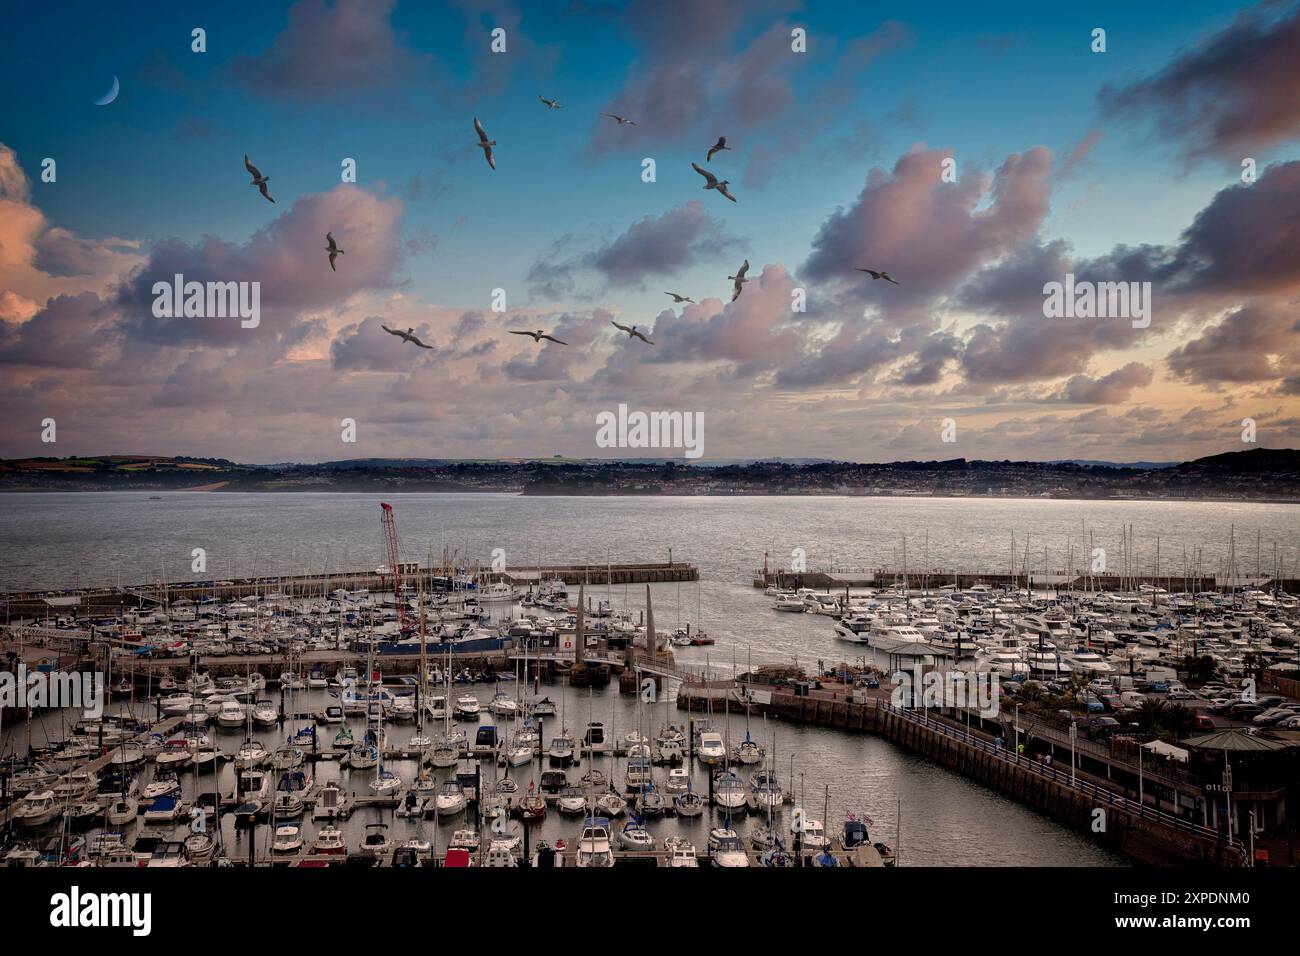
[{"x": 395, "y": 563}]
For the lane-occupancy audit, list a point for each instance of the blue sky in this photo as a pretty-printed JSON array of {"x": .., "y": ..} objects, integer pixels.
[{"x": 163, "y": 163}]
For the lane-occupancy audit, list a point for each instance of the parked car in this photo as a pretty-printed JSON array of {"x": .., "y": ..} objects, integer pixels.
[
  {"x": 1244, "y": 711},
  {"x": 1181, "y": 693},
  {"x": 1201, "y": 722}
]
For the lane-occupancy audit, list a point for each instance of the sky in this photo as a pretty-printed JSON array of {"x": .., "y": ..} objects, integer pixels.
[{"x": 975, "y": 153}]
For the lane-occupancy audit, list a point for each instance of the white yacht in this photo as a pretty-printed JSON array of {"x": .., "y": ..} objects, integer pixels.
[
  {"x": 37, "y": 809},
  {"x": 594, "y": 848},
  {"x": 1088, "y": 661},
  {"x": 231, "y": 714},
  {"x": 711, "y": 749}
]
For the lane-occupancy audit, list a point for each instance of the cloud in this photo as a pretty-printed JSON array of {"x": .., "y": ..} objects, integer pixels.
[
  {"x": 1237, "y": 92},
  {"x": 1111, "y": 389},
  {"x": 651, "y": 247},
  {"x": 287, "y": 257},
  {"x": 930, "y": 235},
  {"x": 1255, "y": 343},
  {"x": 328, "y": 51}
]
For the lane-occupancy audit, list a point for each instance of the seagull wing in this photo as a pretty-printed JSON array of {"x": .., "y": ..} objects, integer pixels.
[
  {"x": 333, "y": 256},
  {"x": 621, "y": 328},
  {"x": 889, "y": 278},
  {"x": 253, "y": 170},
  {"x": 482, "y": 133},
  {"x": 514, "y": 332},
  {"x": 744, "y": 267},
  {"x": 725, "y": 192},
  {"x": 491, "y": 160},
  {"x": 418, "y": 342},
  {"x": 332, "y": 245},
  {"x": 719, "y": 145},
  {"x": 389, "y": 331},
  {"x": 712, "y": 179},
  {"x": 642, "y": 338},
  {"x": 554, "y": 339},
  {"x": 262, "y": 189}
]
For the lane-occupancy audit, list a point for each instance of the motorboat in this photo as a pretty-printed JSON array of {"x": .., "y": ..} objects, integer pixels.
[
  {"x": 288, "y": 839},
  {"x": 503, "y": 705},
  {"x": 251, "y": 753},
  {"x": 594, "y": 849},
  {"x": 748, "y": 751},
  {"x": 467, "y": 707},
  {"x": 163, "y": 810},
  {"x": 544, "y": 708},
  {"x": 331, "y": 804},
  {"x": 164, "y": 784},
  {"x": 265, "y": 714},
  {"x": 711, "y": 748},
  {"x": 36, "y": 809},
  {"x": 679, "y": 779},
  {"x": 450, "y": 799},
  {"x": 681, "y": 852},
  {"x": 638, "y": 774},
  {"x": 728, "y": 791},
  {"x": 810, "y": 833},
  {"x": 231, "y": 714},
  {"x": 725, "y": 848},
  {"x": 561, "y": 750},
  {"x": 376, "y": 842},
  {"x": 611, "y": 803},
  {"x": 199, "y": 848},
  {"x": 572, "y": 800},
  {"x": 330, "y": 841},
  {"x": 76, "y": 785},
  {"x": 343, "y": 740},
  {"x": 333, "y": 714},
  {"x": 532, "y": 806},
  {"x": 289, "y": 792},
  {"x": 175, "y": 755}
]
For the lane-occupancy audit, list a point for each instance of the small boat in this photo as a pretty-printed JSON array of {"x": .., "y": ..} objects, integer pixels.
[
  {"x": 572, "y": 801},
  {"x": 635, "y": 836},
  {"x": 231, "y": 714},
  {"x": 265, "y": 714},
  {"x": 206, "y": 757},
  {"x": 650, "y": 802},
  {"x": 544, "y": 708},
  {"x": 83, "y": 814},
  {"x": 679, "y": 780},
  {"x": 546, "y": 856},
  {"x": 503, "y": 705},
  {"x": 376, "y": 842},
  {"x": 175, "y": 755},
  {"x": 560, "y": 753},
  {"x": 288, "y": 839},
  {"x": 464, "y": 839},
  {"x": 682, "y": 852},
  {"x": 333, "y": 714},
  {"x": 330, "y": 841},
  {"x": 450, "y": 799},
  {"x": 385, "y": 782},
  {"x": 330, "y": 803},
  {"x": 611, "y": 803},
  {"x": 748, "y": 751},
  {"x": 287, "y": 758},
  {"x": 594, "y": 848},
  {"x": 725, "y": 848},
  {"x": 164, "y": 784},
  {"x": 728, "y": 791},
  {"x": 163, "y": 810},
  {"x": 343, "y": 739},
  {"x": 467, "y": 707},
  {"x": 251, "y": 753},
  {"x": 199, "y": 848},
  {"x": 689, "y": 804},
  {"x": 122, "y": 811},
  {"x": 711, "y": 748},
  {"x": 532, "y": 806},
  {"x": 288, "y": 803}
]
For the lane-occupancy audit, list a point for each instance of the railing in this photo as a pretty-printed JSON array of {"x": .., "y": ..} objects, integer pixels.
[{"x": 1082, "y": 786}]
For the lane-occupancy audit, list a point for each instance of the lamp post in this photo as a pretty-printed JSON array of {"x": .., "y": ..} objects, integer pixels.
[{"x": 1074, "y": 733}]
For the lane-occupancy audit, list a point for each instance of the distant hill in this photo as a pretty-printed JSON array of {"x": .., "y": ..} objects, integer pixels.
[{"x": 1259, "y": 473}]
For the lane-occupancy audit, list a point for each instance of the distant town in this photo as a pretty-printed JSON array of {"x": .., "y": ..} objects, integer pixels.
[{"x": 1259, "y": 474}]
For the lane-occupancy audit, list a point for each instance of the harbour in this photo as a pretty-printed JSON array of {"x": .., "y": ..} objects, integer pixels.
[{"x": 399, "y": 651}]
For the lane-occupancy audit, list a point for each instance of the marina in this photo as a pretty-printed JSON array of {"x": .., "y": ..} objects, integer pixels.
[{"x": 451, "y": 717}]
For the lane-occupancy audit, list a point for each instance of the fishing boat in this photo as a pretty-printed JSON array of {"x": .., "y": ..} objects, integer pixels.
[{"x": 330, "y": 841}]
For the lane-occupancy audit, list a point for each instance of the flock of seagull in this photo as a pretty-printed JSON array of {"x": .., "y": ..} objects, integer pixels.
[{"x": 486, "y": 144}]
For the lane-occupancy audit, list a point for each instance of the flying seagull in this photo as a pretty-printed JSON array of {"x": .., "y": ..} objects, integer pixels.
[
  {"x": 632, "y": 332},
  {"x": 622, "y": 120},
  {"x": 739, "y": 280},
  {"x": 551, "y": 103},
  {"x": 332, "y": 249},
  {"x": 879, "y": 275},
  {"x": 717, "y": 147},
  {"x": 484, "y": 143},
  {"x": 539, "y": 335},
  {"x": 259, "y": 180},
  {"x": 680, "y": 298},
  {"x": 712, "y": 181},
  {"x": 406, "y": 336}
]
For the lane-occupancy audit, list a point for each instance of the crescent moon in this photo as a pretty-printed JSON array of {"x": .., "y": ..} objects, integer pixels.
[{"x": 110, "y": 95}]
